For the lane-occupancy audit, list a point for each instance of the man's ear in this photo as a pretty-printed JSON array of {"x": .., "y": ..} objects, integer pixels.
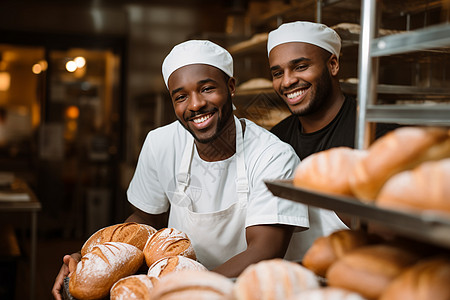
[
  {"x": 333, "y": 65},
  {"x": 232, "y": 85}
]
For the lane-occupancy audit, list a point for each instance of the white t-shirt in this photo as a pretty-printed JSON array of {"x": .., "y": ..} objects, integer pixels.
[{"x": 212, "y": 185}]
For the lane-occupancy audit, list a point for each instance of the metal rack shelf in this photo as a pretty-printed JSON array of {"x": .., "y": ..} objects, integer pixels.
[
  {"x": 438, "y": 115},
  {"x": 425, "y": 227},
  {"x": 422, "y": 39}
]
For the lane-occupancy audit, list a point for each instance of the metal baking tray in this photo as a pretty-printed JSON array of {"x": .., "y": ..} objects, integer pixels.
[{"x": 425, "y": 226}]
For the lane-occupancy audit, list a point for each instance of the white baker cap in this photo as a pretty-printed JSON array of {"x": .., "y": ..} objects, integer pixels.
[
  {"x": 305, "y": 32},
  {"x": 197, "y": 52}
]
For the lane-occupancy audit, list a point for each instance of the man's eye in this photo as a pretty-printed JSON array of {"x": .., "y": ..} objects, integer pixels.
[
  {"x": 277, "y": 74},
  {"x": 180, "y": 98},
  {"x": 301, "y": 67},
  {"x": 207, "y": 89}
]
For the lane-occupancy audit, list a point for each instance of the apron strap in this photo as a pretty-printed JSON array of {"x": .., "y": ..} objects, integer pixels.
[
  {"x": 185, "y": 164},
  {"x": 241, "y": 180}
]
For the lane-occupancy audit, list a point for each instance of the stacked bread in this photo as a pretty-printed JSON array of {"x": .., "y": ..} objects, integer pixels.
[
  {"x": 273, "y": 279},
  {"x": 168, "y": 242},
  {"x": 99, "y": 269},
  {"x": 133, "y": 287},
  {"x": 193, "y": 284},
  {"x": 406, "y": 168},
  {"x": 112, "y": 257},
  {"x": 328, "y": 249},
  {"x": 131, "y": 233},
  {"x": 373, "y": 268}
]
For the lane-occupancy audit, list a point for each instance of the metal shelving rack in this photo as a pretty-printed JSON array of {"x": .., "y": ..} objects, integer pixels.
[
  {"x": 426, "y": 227},
  {"x": 370, "y": 50}
]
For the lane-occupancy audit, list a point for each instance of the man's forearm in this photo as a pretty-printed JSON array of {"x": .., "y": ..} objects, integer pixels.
[{"x": 157, "y": 221}]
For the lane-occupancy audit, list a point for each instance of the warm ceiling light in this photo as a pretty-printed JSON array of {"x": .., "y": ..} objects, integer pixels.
[
  {"x": 44, "y": 65},
  {"x": 72, "y": 112},
  {"x": 80, "y": 61},
  {"x": 5, "y": 81},
  {"x": 71, "y": 66},
  {"x": 36, "y": 69}
]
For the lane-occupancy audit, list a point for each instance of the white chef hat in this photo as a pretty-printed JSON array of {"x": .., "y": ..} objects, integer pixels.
[
  {"x": 197, "y": 52},
  {"x": 305, "y": 32}
]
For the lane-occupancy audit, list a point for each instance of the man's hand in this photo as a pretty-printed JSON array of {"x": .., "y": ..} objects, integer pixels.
[{"x": 68, "y": 267}]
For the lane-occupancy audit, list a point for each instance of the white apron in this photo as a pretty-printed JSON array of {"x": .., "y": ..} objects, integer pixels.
[{"x": 216, "y": 236}]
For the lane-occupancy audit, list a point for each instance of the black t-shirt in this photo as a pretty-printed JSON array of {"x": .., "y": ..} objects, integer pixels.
[{"x": 339, "y": 132}]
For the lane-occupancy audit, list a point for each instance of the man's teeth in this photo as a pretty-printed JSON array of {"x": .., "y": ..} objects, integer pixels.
[
  {"x": 201, "y": 119},
  {"x": 295, "y": 94}
]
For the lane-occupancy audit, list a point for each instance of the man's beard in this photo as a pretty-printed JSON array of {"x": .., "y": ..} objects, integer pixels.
[
  {"x": 318, "y": 96},
  {"x": 227, "y": 111}
]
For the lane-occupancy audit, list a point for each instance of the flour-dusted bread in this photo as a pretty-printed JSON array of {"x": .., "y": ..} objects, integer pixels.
[
  {"x": 103, "y": 266},
  {"x": 171, "y": 264},
  {"x": 131, "y": 233},
  {"x": 427, "y": 280},
  {"x": 368, "y": 270},
  {"x": 328, "y": 171},
  {"x": 168, "y": 242},
  {"x": 273, "y": 279},
  {"x": 133, "y": 287},
  {"x": 427, "y": 187},
  {"x": 327, "y": 293},
  {"x": 397, "y": 151},
  {"x": 193, "y": 284},
  {"x": 328, "y": 249}
]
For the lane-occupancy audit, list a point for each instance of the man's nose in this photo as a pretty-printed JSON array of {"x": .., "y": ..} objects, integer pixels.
[
  {"x": 288, "y": 79},
  {"x": 196, "y": 102}
]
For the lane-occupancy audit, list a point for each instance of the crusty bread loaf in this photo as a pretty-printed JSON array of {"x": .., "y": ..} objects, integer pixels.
[
  {"x": 100, "y": 268},
  {"x": 131, "y": 233},
  {"x": 328, "y": 171},
  {"x": 171, "y": 264},
  {"x": 168, "y": 242},
  {"x": 399, "y": 150},
  {"x": 427, "y": 280},
  {"x": 133, "y": 287},
  {"x": 327, "y": 293},
  {"x": 328, "y": 249},
  {"x": 273, "y": 279},
  {"x": 193, "y": 284},
  {"x": 368, "y": 270},
  {"x": 427, "y": 187}
]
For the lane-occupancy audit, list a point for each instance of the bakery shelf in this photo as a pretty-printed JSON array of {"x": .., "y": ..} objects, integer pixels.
[
  {"x": 431, "y": 37},
  {"x": 438, "y": 115},
  {"x": 425, "y": 227},
  {"x": 404, "y": 91}
]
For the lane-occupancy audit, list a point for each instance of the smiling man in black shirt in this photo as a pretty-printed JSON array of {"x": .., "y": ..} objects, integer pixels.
[{"x": 304, "y": 63}]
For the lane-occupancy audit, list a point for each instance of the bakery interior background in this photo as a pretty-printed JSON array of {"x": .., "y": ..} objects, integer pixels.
[{"x": 81, "y": 85}]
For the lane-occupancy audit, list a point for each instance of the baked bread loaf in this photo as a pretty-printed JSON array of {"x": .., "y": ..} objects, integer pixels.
[
  {"x": 328, "y": 171},
  {"x": 168, "y": 242},
  {"x": 368, "y": 270},
  {"x": 426, "y": 187},
  {"x": 327, "y": 293},
  {"x": 326, "y": 250},
  {"x": 273, "y": 279},
  {"x": 193, "y": 284},
  {"x": 134, "y": 287},
  {"x": 99, "y": 269},
  {"x": 131, "y": 233},
  {"x": 426, "y": 280},
  {"x": 171, "y": 264},
  {"x": 399, "y": 150}
]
